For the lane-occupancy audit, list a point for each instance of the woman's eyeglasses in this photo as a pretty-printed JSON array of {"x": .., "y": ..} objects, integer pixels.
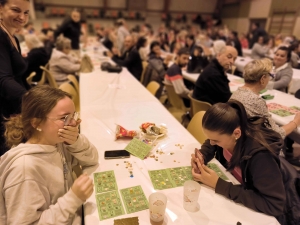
[
  {"x": 67, "y": 118},
  {"x": 271, "y": 75}
]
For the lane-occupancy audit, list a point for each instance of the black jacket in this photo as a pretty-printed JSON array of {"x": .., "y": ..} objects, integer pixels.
[
  {"x": 36, "y": 57},
  {"x": 237, "y": 45},
  {"x": 71, "y": 30},
  {"x": 256, "y": 34},
  {"x": 212, "y": 86},
  {"x": 12, "y": 88},
  {"x": 132, "y": 61},
  {"x": 269, "y": 181}
]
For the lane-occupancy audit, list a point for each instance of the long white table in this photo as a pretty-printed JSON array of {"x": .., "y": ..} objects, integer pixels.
[
  {"x": 108, "y": 99},
  {"x": 241, "y": 62}
]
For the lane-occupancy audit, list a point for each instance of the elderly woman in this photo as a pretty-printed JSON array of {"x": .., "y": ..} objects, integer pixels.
[
  {"x": 36, "y": 57},
  {"x": 257, "y": 75},
  {"x": 61, "y": 63},
  {"x": 282, "y": 69}
]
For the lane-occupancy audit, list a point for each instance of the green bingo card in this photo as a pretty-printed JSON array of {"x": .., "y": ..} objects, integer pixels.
[
  {"x": 109, "y": 205},
  {"x": 134, "y": 199},
  {"x": 170, "y": 178},
  {"x": 138, "y": 148},
  {"x": 105, "y": 181},
  {"x": 175, "y": 177}
]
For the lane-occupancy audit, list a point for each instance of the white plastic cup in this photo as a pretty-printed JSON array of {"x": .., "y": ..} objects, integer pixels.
[
  {"x": 157, "y": 206},
  {"x": 191, "y": 190}
]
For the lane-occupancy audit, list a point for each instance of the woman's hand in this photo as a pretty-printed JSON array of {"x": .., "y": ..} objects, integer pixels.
[
  {"x": 207, "y": 176},
  {"x": 198, "y": 155},
  {"x": 69, "y": 134},
  {"x": 194, "y": 164},
  {"x": 83, "y": 187},
  {"x": 297, "y": 119}
]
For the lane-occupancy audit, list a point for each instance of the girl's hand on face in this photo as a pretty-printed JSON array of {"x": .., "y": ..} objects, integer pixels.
[
  {"x": 207, "y": 176},
  {"x": 69, "y": 134}
]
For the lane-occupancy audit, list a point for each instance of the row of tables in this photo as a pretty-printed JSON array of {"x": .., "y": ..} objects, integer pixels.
[
  {"x": 279, "y": 97},
  {"x": 108, "y": 99}
]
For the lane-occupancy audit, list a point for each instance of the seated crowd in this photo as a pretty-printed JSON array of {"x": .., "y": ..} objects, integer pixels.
[{"x": 40, "y": 129}]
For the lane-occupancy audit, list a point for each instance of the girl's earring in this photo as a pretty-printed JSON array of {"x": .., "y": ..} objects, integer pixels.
[{"x": 39, "y": 129}]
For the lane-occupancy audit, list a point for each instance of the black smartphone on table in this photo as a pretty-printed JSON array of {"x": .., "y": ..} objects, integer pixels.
[{"x": 116, "y": 154}]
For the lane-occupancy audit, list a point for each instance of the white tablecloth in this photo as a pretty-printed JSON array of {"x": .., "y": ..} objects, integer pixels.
[
  {"x": 241, "y": 62},
  {"x": 246, "y": 52},
  {"x": 280, "y": 97},
  {"x": 295, "y": 84},
  {"x": 108, "y": 99},
  {"x": 285, "y": 100}
]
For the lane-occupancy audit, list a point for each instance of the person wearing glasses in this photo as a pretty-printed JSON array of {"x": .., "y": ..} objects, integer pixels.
[
  {"x": 13, "y": 17},
  {"x": 61, "y": 62},
  {"x": 257, "y": 75},
  {"x": 36, "y": 182}
]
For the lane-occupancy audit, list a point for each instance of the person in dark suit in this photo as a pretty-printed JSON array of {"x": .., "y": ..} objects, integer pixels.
[
  {"x": 130, "y": 59},
  {"x": 71, "y": 28},
  {"x": 212, "y": 86},
  {"x": 36, "y": 57},
  {"x": 256, "y": 33}
]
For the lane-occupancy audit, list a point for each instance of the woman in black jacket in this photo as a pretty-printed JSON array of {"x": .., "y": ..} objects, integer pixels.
[
  {"x": 267, "y": 185},
  {"x": 12, "y": 64}
]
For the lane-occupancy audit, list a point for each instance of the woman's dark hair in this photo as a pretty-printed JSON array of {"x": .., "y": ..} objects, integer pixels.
[
  {"x": 235, "y": 34},
  {"x": 294, "y": 46},
  {"x": 224, "y": 118},
  {"x": 152, "y": 45},
  {"x": 191, "y": 37},
  {"x": 163, "y": 36},
  {"x": 265, "y": 39},
  {"x": 287, "y": 50},
  {"x": 140, "y": 42}
]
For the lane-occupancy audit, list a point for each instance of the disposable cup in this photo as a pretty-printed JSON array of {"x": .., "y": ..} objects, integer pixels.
[
  {"x": 157, "y": 206},
  {"x": 191, "y": 190}
]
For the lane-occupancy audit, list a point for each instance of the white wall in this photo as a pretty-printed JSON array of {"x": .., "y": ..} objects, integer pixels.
[
  {"x": 260, "y": 8},
  {"x": 231, "y": 23},
  {"x": 201, "y": 6},
  {"x": 243, "y": 25},
  {"x": 296, "y": 28}
]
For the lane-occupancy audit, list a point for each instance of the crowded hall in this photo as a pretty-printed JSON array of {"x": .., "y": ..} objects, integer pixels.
[{"x": 165, "y": 112}]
